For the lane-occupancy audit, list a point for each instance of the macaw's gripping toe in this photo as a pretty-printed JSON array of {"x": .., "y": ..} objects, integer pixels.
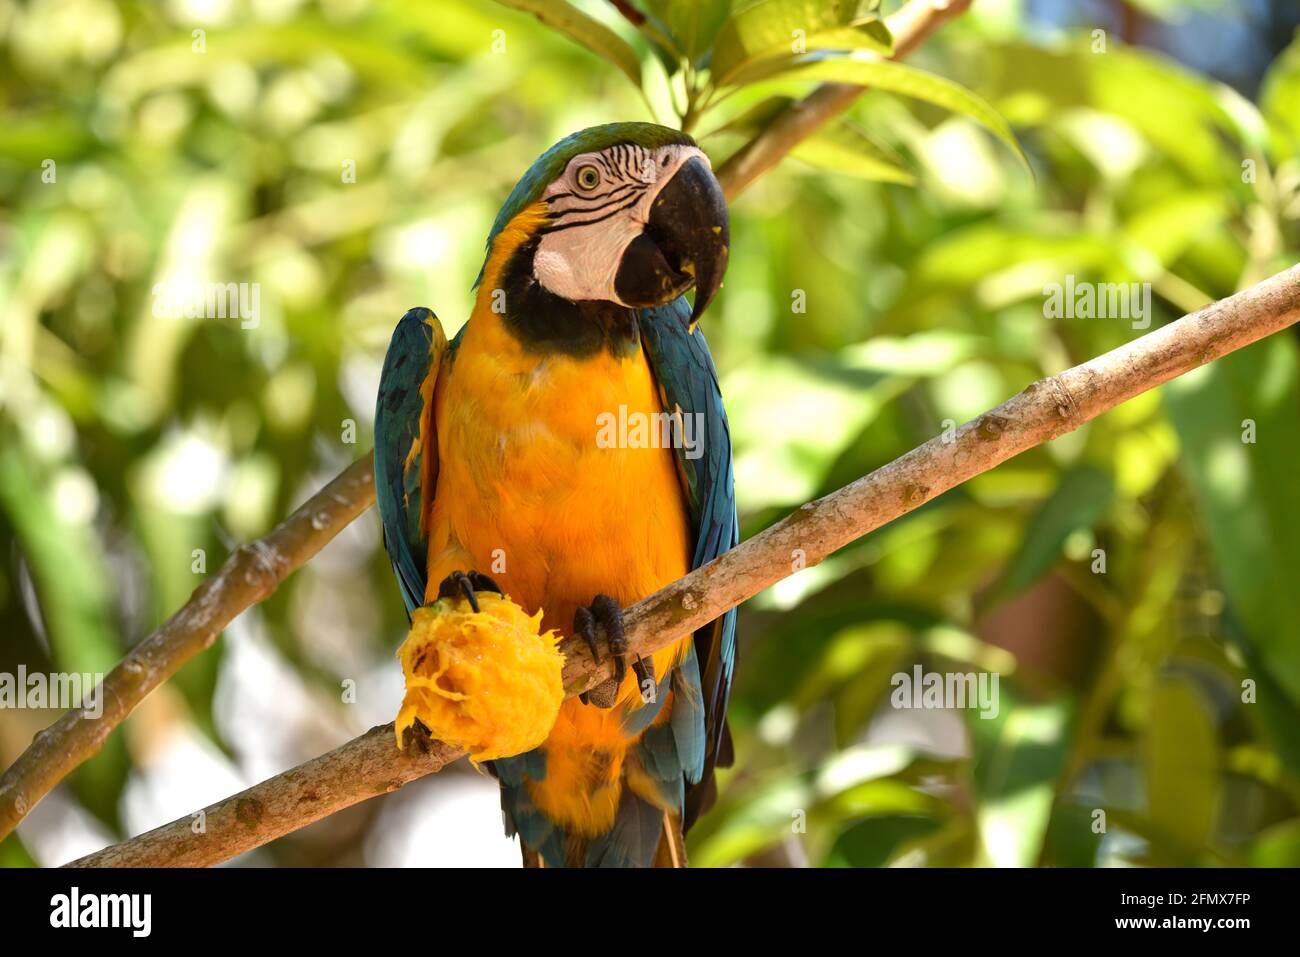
[
  {"x": 606, "y": 613},
  {"x": 462, "y": 584}
]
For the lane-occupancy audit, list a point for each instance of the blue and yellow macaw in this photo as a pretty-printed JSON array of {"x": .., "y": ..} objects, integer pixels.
[{"x": 487, "y": 460}]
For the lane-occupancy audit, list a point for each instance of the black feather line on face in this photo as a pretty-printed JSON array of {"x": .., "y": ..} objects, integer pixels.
[
  {"x": 561, "y": 226},
  {"x": 595, "y": 203},
  {"x": 582, "y": 196}
]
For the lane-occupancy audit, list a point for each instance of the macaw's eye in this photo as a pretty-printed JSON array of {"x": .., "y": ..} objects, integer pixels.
[{"x": 588, "y": 177}]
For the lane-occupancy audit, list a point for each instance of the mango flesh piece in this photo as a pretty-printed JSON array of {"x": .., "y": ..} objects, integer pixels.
[{"x": 487, "y": 681}]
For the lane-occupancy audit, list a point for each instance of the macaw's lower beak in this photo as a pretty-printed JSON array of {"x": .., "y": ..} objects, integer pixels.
[{"x": 684, "y": 244}]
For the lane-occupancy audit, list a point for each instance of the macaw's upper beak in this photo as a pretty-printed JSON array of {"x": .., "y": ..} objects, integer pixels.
[{"x": 684, "y": 243}]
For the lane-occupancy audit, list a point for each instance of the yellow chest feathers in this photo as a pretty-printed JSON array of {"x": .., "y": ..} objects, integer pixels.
[{"x": 554, "y": 469}]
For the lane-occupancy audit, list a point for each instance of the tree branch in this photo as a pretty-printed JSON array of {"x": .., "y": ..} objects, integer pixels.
[
  {"x": 249, "y": 575},
  {"x": 371, "y": 764},
  {"x": 255, "y": 570}
]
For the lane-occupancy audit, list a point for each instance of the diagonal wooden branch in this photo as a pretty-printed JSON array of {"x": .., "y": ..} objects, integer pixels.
[
  {"x": 371, "y": 764},
  {"x": 256, "y": 570}
]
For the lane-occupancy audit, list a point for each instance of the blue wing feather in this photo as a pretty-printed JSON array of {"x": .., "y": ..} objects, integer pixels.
[
  {"x": 415, "y": 353},
  {"x": 688, "y": 380}
]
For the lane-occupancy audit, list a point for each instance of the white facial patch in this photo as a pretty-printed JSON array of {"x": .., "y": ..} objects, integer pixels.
[{"x": 600, "y": 204}]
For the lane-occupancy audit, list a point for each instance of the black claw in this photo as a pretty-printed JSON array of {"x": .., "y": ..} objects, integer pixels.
[
  {"x": 584, "y": 623},
  {"x": 461, "y": 583},
  {"x": 643, "y": 674},
  {"x": 607, "y": 611}
]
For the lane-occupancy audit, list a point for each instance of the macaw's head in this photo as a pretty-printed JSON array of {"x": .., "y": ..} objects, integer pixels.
[{"x": 628, "y": 213}]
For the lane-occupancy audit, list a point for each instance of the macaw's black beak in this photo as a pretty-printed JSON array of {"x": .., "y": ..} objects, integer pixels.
[{"x": 684, "y": 244}]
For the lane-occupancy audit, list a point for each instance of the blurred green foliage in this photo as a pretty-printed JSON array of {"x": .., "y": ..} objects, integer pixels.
[{"x": 1132, "y": 584}]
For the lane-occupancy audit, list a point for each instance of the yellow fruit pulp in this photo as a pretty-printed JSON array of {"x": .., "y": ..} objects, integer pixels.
[{"x": 484, "y": 681}]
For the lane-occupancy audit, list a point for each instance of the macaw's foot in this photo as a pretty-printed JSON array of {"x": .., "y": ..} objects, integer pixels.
[
  {"x": 605, "y": 612},
  {"x": 462, "y": 584},
  {"x": 416, "y": 738}
]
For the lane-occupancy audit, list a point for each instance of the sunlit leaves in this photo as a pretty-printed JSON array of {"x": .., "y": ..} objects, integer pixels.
[
  {"x": 894, "y": 77},
  {"x": 1018, "y": 757},
  {"x": 1079, "y": 502},
  {"x": 1247, "y": 492},
  {"x": 585, "y": 30},
  {"x": 692, "y": 24},
  {"x": 1182, "y": 766},
  {"x": 767, "y": 29},
  {"x": 842, "y": 148},
  {"x": 1280, "y": 102}
]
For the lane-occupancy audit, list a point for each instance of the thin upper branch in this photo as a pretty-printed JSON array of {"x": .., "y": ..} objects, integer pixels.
[
  {"x": 1045, "y": 410},
  {"x": 254, "y": 571}
]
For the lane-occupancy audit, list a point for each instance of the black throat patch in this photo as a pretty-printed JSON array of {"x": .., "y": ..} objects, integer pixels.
[{"x": 545, "y": 323}]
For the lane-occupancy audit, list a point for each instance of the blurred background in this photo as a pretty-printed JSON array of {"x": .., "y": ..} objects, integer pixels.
[{"x": 886, "y": 281}]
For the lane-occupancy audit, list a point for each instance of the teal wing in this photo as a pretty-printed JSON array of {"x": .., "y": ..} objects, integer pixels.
[
  {"x": 698, "y": 731},
  {"x": 406, "y": 446}
]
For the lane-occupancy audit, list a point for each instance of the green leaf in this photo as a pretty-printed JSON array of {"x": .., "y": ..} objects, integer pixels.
[
  {"x": 67, "y": 566},
  {"x": 846, "y": 149},
  {"x": 1181, "y": 761},
  {"x": 817, "y": 410},
  {"x": 1071, "y": 839},
  {"x": 759, "y": 817},
  {"x": 172, "y": 63},
  {"x": 1078, "y": 502},
  {"x": 865, "y": 69},
  {"x": 1247, "y": 494},
  {"x": 1279, "y": 99},
  {"x": 869, "y": 34},
  {"x": 843, "y": 148},
  {"x": 13, "y": 854},
  {"x": 860, "y": 695},
  {"x": 779, "y": 28},
  {"x": 1279, "y": 846},
  {"x": 1168, "y": 227},
  {"x": 1018, "y": 756},
  {"x": 1175, "y": 110},
  {"x": 692, "y": 24},
  {"x": 70, "y": 574},
  {"x": 756, "y": 117},
  {"x": 582, "y": 29},
  {"x": 871, "y": 843}
]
